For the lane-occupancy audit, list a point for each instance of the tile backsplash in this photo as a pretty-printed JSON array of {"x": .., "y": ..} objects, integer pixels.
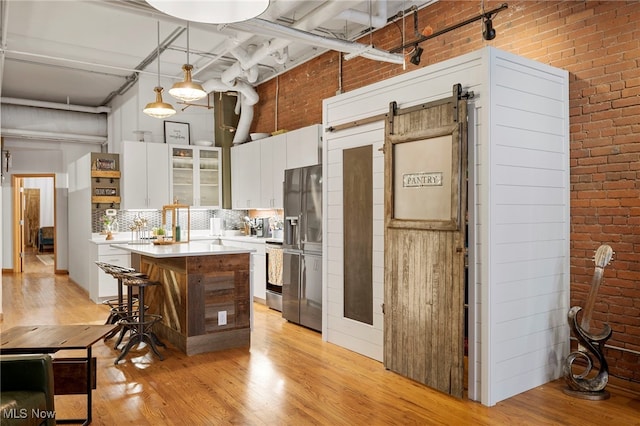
[{"x": 231, "y": 219}]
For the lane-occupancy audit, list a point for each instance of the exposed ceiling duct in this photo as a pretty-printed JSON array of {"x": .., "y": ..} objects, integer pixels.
[
  {"x": 245, "y": 67},
  {"x": 86, "y": 53},
  {"x": 39, "y": 122}
]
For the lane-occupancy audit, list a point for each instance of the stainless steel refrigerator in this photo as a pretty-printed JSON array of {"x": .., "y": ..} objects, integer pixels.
[{"x": 302, "y": 247}]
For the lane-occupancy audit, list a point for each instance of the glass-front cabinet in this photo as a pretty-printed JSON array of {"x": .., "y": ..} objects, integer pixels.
[
  {"x": 210, "y": 175},
  {"x": 196, "y": 175}
]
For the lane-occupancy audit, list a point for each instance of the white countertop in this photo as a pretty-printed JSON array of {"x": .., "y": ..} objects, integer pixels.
[
  {"x": 192, "y": 248},
  {"x": 125, "y": 237}
]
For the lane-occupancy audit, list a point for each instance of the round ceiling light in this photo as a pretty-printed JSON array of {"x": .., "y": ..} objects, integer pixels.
[{"x": 211, "y": 11}]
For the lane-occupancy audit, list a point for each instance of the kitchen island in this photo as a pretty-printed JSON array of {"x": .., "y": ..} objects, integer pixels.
[{"x": 204, "y": 295}]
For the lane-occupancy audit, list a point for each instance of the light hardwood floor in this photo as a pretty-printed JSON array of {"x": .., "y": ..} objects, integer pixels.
[{"x": 287, "y": 377}]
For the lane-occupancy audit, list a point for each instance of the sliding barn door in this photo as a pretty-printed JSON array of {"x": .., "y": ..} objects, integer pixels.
[{"x": 425, "y": 209}]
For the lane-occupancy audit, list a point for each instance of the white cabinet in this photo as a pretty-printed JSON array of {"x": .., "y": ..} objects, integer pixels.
[
  {"x": 257, "y": 168},
  {"x": 145, "y": 175},
  {"x": 258, "y": 265},
  {"x": 273, "y": 155},
  {"x": 304, "y": 147},
  {"x": 103, "y": 286},
  {"x": 245, "y": 176},
  {"x": 195, "y": 176}
]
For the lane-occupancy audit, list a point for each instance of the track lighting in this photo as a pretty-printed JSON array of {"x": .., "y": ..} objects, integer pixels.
[
  {"x": 415, "y": 58},
  {"x": 488, "y": 33}
]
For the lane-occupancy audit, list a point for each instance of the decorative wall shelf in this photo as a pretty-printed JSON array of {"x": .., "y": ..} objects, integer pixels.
[{"x": 105, "y": 180}]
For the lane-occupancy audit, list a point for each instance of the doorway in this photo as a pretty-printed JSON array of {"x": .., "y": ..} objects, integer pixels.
[{"x": 34, "y": 223}]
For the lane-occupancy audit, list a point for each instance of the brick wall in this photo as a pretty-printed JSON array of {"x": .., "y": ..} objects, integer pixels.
[{"x": 598, "y": 42}]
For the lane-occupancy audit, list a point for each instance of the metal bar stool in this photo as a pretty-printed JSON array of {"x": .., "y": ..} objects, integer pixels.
[
  {"x": 118, "y": 308},
  {"x": 138, "y": 323}
]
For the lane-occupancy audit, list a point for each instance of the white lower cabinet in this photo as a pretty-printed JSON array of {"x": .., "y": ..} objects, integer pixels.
[
  {"x": 258, "y": 261},
  {"x": 258, "y": 265},
  {"x": 103, "y": 286}
]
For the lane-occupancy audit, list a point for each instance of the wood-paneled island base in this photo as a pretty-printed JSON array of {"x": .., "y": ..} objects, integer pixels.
[{"x": 198, "y": 280}]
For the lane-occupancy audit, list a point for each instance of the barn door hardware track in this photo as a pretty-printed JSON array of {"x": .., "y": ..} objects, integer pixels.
[{"x": 458, "y": 94}]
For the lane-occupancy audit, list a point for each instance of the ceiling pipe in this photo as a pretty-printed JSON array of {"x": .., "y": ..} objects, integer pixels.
[
  {"x": 50, "y": 136},
  {"x": 55, "y": 105},
  {"x": 284, "y": 36},
  {"x": 247, "y": 98},
  {"x": 4, "y": 16},
  {"x": 289, "y": 34},
  {"x": 248, "y": 61},
  {"x": 378, "y": 20},
  {"x": 132, "y": 78}
]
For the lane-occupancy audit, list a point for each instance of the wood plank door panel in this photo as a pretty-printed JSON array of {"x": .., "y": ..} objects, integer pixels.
[
  {"x": 425, "y": 206},
  {"x": 31, "y": 216}
]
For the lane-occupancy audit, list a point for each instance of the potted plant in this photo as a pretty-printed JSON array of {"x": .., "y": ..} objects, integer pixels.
[{"x": 159, "y": 234}]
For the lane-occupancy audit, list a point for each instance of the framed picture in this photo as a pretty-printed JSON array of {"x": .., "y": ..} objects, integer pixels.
[{"x": 176, "y": 133}]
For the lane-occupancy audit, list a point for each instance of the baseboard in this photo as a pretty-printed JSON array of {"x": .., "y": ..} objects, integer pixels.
[
  {"x": 84, "y": 290},
  {"x": 629, "y": 386},
  {"x": 57, "y": 271}
]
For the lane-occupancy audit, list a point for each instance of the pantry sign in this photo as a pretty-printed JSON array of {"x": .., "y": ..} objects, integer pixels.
[{"x": 416, "y": 180}]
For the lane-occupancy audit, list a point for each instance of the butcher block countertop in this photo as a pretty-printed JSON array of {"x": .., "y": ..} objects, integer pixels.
[{"x": 192, "y": 248}]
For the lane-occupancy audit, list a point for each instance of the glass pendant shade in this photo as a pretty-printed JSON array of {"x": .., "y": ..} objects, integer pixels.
[
  {"x": 187, "y": 90},
  {"x": 159, "y": 108},
  {"x": 211, "y": 11}
]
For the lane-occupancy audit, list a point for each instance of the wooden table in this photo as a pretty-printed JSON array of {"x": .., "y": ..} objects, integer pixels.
[{"x": 53, "y": 338}]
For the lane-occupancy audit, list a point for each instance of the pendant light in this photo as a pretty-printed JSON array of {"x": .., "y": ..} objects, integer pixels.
[
  {"x": 159, "y": 108},
  {"x": 187, "y": 90},
  {"x": 211, "y": 11}
]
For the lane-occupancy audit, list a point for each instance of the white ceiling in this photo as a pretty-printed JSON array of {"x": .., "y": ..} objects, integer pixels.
[{"x": 87, "y": 52}]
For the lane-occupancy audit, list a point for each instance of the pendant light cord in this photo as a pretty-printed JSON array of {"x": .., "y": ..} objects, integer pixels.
[
  {"x": 187, "y": 42},
  {"x": 158, "y": 54}
]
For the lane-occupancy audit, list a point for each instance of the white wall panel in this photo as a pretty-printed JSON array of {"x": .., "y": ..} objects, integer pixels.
[
  {"x": 534, "y": 196},
  {"x": 527, "y": 214},
  {"x": 527, "y": 333},
  {"x": 510, "y": 136}
]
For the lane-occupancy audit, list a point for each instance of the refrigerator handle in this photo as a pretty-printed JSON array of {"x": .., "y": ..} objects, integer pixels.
[{"x": 299, "y": 231}]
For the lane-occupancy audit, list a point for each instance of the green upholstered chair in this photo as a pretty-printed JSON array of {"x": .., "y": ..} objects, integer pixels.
[{"x": 26, "y": 390}]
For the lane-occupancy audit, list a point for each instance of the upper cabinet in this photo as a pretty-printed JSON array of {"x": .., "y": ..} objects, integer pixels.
[
  {"x": 257, "y": 168},
  {"x": 195, "y": 176},
  {"x": 245, "y": 176},
  {"x": 304, "y": 147},
  {"x": 145, "y": 175},
  {"x": 273, "y": 162}
]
